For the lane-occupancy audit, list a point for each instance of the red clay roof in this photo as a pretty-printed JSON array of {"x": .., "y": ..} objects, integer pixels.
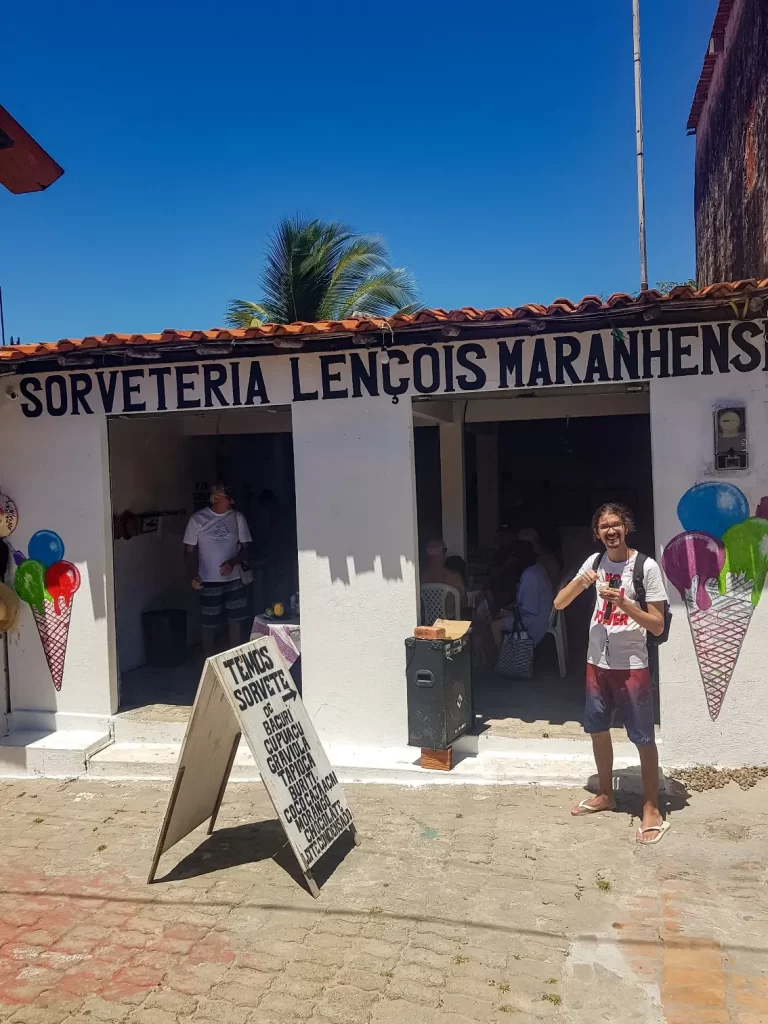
[
  {"x": 425, "y": 318},
  {"x": 24, "y": 165},
  {"x": 710, "y": 61}
]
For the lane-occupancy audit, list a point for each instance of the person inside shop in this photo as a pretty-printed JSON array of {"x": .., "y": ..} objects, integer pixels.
[
  {"x": 496, "y": 604},
  {"x": 434, "y": 570},
  {"x": 544, "y": 557},
  {"x": 457, "y": 564},
  {"x": 216, "y": 543},
  {"x": 533, "y": 597}
]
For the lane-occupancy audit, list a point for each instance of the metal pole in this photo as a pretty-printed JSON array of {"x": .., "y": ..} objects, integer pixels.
[
  {"x": 2, "y": 318},
  {"x": 639, "y": 135}
]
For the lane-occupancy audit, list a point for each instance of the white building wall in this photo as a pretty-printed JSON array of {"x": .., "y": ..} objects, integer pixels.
[
  {"x": 356, "y": 525},
  {"x": 682, "y": 437},
  {"x": 356, "y": 509},
  {"x": 57, "y": 473}
]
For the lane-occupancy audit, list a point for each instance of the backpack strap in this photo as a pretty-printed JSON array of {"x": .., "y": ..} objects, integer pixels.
[
  {"x": 597, "y": 561},
  {"x": 638, "y": 580}
]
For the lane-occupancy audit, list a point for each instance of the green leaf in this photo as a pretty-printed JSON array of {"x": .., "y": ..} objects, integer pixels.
[{"x": 317, "y": 270}]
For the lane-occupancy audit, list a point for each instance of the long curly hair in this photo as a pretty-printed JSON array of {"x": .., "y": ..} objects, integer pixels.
[{"x": 613, "y": 508}]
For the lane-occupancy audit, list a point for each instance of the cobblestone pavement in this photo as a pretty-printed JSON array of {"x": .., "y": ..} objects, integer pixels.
[{"x": 464, "y": 904}]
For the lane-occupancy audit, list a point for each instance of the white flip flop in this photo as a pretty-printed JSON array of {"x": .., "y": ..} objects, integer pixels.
[
  {"x": 585, "y": 808},
  {"x": 662, "y": 829}
]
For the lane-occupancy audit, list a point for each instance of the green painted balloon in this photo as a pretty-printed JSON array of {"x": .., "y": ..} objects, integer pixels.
[
  {"x": 29, "y": 583},
  {"x": 746, "y": 554}
]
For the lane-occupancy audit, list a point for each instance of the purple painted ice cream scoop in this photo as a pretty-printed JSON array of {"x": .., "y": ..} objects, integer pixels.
[{"x": 693, "y": 554}]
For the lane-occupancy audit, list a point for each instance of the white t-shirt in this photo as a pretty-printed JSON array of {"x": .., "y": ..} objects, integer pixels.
[
  {"x": 621, "y": 642},
  {"x": 218, "y": 537}
]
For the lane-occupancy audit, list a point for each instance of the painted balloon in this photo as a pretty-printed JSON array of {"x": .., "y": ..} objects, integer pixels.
[
  {"x": 9, "y": 515},
  {"x": 762, "y": 509},
  {"x": 62, "y": 580},
  {"x": 746, "y": 554},
  {"x": 18, "y": 556},
  {"x": 690, "y": 556},
  {"x": 29, "y": 583},
  {"x": 46, "y": 546},
  {"x": 712, "y": 508}
]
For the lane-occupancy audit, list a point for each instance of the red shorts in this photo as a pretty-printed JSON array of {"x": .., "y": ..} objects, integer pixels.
[{"x": 626, "y": 690}]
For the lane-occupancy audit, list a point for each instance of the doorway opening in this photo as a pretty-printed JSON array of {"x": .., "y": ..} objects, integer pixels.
[
  {"x": 540, "y": 463},
  {"x": 162, "y": 468}
]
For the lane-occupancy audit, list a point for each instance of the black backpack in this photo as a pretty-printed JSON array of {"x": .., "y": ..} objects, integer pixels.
[{"x": 638, "y": 583}]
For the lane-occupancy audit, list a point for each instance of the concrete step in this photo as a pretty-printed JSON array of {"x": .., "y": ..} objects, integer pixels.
[
  {"x": 63, "y": 754},
  {"x": 132, "y": 727},
  {"x": 503, "y": 742},
  {"x": 532, "y": 762},
  {"x": 156, "y": 761}
]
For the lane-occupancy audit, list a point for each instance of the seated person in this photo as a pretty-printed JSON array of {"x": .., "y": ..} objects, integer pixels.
[
  {"x": 495, "y": 605},
  {"x": 533, "y": 597},
  {"x": 434, "y": 570},
  {"x": 544, "y": 557},
  {"x": 457, "y": 564}
]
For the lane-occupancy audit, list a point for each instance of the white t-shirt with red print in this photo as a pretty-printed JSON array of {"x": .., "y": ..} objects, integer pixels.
[{"x": 620, "y": 642}]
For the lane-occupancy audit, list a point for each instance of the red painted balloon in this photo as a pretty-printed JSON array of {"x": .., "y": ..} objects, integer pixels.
[{"x": 62, "y": 580}]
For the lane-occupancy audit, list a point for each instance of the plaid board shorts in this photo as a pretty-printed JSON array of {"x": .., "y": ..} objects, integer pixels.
[
  {"x": 223, "y": 600},
  {"x": 626, "y": 690}
]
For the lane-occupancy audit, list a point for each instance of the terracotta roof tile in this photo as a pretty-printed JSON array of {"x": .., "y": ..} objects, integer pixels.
[{"x": 559, "y": 309}]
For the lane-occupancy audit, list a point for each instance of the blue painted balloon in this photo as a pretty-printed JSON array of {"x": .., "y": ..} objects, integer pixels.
[
  {"x": 712, "y": 508},
  {"x": 46, "y": 547}
]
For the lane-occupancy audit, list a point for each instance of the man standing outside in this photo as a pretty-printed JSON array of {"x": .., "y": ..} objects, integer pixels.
[
  {"x": 215, "y": 545},
  {"x": 618, "y": 677}
]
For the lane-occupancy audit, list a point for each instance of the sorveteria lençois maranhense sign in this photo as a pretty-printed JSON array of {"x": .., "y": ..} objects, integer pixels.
[{"x": 437, "y": 369}]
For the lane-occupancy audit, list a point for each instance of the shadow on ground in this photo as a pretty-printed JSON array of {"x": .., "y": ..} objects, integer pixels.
[
  {"x": 628, "y": 789},
  {"x": 250, "y": 844}
]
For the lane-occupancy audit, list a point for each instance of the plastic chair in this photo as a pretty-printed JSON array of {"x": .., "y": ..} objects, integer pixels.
[
  {"x": 434, "y": 600},
  {"x": 558, "y": 631}
]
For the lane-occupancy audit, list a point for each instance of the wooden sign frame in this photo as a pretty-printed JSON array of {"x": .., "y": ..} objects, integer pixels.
[{"x": 249, "y": 691}]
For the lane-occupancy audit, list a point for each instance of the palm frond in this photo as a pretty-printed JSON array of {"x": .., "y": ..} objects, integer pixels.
[
  {"x": 316, "y": 270},
  {"x": 383, "y": 294},
  {"x": 242, "y": 313}
]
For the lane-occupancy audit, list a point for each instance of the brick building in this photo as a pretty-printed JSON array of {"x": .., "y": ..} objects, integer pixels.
[{"x": 730, "y": 120}]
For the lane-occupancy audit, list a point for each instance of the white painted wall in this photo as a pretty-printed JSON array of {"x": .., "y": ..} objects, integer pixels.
[
  {"x": 357, "y": 539},
  {"x": 355, "y": 499},
  {"x": 682, "y": 437},
  {"x": 56, "y": 472}
]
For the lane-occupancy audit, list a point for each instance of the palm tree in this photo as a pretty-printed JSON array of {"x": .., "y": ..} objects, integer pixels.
[{"x": 325, "y": 271}]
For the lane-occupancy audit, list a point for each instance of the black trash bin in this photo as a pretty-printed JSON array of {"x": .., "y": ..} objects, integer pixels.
[
  {"x": 439, "y": 686},
  {"x": 165, "y": 637}
]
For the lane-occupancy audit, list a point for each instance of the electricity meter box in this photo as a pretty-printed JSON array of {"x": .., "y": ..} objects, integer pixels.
[
  {"x": 731, "y": 437},
  {"x": 439, "y": 687}
]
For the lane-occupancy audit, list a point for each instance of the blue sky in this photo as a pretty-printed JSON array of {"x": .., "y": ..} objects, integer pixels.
[{"x": 491, "y": 144}]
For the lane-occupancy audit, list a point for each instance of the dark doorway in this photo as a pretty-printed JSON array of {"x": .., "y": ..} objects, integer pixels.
[{"x": 553, "y": 474}]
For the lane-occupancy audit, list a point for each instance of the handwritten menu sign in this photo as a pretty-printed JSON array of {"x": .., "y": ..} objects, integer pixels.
[
  {"x": 294, "y": 767},
  {"x": 249, "y": 691}
]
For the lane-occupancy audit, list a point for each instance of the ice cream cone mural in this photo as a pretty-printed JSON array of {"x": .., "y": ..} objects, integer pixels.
[
  {"x": 719, "y": 566},
  {"x": 48, "y": 584}
]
